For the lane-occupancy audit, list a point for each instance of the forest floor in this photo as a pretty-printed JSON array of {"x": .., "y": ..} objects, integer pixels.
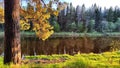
[{"x": 91, "y": 60}]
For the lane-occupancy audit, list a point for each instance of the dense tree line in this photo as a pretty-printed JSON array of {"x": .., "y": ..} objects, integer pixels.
[{"x": 82, "y": 19}]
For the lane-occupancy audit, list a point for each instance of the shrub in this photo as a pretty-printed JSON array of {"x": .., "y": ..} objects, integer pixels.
[
  {"x": 71, "y": 27},
  {"x": 91, "y": 26},
  {"x": 111, "y": 26},
  {"x": 103, "y": 26},
  {"x": 56, "y": 27},
  {"x": 117, "y": 24},
  {"x": 80, "y": 27}
]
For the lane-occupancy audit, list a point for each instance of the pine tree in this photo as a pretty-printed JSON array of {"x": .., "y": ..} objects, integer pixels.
[
  {"x": 110, "y": 15},
  {"x": 83, "y": 18},
  {"x": 72, "y": 13},
  {"x": 97, "y": 18},
  {"x": 77, "y": 15},
  {"x": 62, "y": 19}
]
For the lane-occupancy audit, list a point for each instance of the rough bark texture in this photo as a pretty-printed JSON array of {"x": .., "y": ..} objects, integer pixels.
[{"x": 12, "y": 48}]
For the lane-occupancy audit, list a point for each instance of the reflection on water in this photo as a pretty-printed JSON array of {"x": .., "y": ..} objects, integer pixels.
[{"x": 34, "y": 46}]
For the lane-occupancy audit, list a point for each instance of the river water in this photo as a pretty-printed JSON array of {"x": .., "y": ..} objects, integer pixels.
[{"x": 71, "y": 45}]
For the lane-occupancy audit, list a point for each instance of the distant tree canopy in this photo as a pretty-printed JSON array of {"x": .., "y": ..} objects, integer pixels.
[{"x": 82, "y": 17}]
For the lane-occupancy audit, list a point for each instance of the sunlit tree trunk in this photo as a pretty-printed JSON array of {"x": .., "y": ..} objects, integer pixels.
[{"x": 12, "y": 48}]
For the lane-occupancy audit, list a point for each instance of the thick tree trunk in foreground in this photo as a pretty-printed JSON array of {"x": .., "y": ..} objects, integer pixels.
[{"x": 12, "y": 48}]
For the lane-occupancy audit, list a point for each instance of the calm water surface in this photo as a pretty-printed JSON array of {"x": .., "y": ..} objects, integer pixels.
[{"x": 34, "y": 46}]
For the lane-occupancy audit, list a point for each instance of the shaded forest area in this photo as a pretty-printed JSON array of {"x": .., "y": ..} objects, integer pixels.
[{"x": 82, "y": 19}]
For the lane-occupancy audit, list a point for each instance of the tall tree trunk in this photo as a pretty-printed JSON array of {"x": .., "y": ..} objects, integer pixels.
[{"x": 12, "y": 48}]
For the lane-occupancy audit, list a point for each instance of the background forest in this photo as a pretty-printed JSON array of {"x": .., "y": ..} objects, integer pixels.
[{"x": 82, "y": 19}]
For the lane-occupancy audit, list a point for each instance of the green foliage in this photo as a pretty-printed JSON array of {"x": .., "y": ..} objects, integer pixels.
[
  {"x": 118, "y": 25},
  {"x": 80, "y": 27},
  {"x": 110, "y": 14},
  {"x": 81, "y": 14},
  {"x": 111, "y": 26},
  {"x": 71, "y": 27},
  {"x": 91, "y": 26},
  {"x": 116, "y": 14},
  {"x": 1, "y": 26},
  {"x": 97, "y": 19},
  {"x": 56, "y": 26},
  {"x": 103, "y": 27}
]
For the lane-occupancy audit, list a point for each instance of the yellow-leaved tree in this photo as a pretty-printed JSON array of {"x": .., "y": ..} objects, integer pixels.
[
  {"x": 1, "y": 15},
  {"x": 39, "y": 16}
]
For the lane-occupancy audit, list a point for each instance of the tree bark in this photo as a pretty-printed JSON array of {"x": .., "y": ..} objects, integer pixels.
[{"x": 12, "y": 47}]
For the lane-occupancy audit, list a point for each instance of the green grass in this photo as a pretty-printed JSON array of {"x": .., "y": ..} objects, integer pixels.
[
  {"x": 70, "y": 34},
  {"x": 103, "y": 60},
  {"x": 94, "y": 34},
  {"x": 49, "y": 57}
]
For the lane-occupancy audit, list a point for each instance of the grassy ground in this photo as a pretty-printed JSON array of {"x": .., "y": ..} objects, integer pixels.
[
  {"x": 103, "y": 60},
  {"x": 94, "y": 34},
  {"x": 71, "y": 34}
]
